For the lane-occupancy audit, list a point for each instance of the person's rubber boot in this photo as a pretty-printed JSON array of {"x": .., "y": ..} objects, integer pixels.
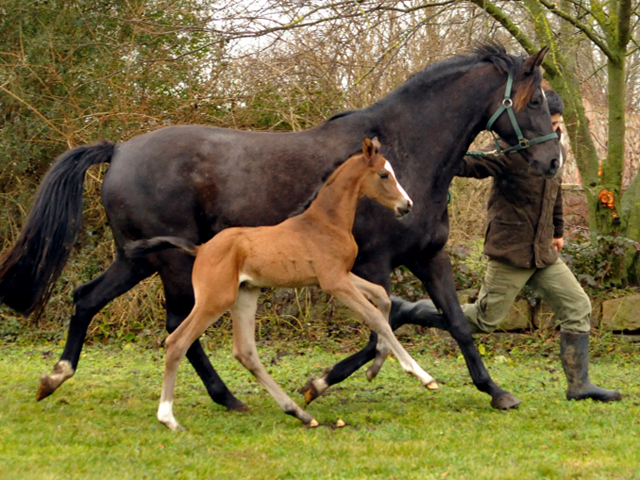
[
  {"x": 574, "y": 353},
  {"x": 423, "y": 313}
]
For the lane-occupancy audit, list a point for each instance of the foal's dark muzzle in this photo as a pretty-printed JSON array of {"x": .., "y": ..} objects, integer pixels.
[{"x": 404, "y": 210}]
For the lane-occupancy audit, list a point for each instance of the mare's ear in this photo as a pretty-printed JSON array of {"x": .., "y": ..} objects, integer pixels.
[{"x": 534, "y": 61}]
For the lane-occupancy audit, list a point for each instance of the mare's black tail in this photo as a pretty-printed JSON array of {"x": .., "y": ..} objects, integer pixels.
[
  {"x": 142, "y": 248},
  {"x": 29, "y": 270}
]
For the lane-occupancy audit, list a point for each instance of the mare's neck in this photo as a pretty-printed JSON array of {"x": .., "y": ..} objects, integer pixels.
[
  {"x": 336, "y": 202},
  {"x": 433, "y": 122}
]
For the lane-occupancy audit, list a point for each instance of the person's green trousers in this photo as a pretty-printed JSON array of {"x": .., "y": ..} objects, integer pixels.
[{"x": 556, "y": 284}]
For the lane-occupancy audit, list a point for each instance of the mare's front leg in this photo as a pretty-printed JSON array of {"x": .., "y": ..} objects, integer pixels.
[
  {"x": 243, "y": 314},
  {"x": 437, "y": 276},
  {"x": 88, "y": 300}
]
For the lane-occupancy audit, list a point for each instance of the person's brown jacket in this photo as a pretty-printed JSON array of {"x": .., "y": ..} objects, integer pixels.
[{"x": 524, "y": 211}]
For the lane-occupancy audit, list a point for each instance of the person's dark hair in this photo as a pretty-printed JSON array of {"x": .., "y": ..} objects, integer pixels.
[{"x": 555, "y": 102}]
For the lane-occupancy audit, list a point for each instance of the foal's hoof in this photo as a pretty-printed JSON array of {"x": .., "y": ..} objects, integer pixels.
[
  {"x": 176, "y": 428},
  {"x": 505, "y": 402},
  {"x": 373, "y": 371},
  {"x": 432, "y": 386},
  {"x": 313, "y": 423}
]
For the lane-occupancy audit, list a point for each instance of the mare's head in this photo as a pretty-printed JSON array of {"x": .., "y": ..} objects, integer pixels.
[
  {"x": 519, "y": 113},
  {"x": 379, "y": 182}
]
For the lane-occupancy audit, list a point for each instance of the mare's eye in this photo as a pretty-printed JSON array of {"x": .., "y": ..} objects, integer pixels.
[
  {"x": 535, "y": 102},
  {"x": 384, "y": 176}
]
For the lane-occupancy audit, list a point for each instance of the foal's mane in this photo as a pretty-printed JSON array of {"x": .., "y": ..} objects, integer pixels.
[{"x": 325, "y": 177}]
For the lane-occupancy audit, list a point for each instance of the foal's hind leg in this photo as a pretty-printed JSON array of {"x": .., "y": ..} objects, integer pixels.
[
  {"x": 347, "y": 292},
  {"x": 200, "y": 318},
  {"x": 176, "y": 278},
  {"x": 243, "y": 314},
  {"x": 88, "y": 300}
]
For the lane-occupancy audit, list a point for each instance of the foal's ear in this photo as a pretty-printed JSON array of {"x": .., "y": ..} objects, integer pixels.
[
  {"x": 370, "y": 149},
  {"x": 534, "y": 61}
]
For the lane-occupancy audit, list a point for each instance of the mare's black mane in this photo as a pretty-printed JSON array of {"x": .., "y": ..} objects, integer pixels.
[{"x": 491, "y": 52}]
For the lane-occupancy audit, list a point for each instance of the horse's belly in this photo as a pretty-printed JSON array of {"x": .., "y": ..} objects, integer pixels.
[{"x": 272, "y": 280}]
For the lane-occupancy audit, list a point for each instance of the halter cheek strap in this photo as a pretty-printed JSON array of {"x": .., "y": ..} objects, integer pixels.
[{"x": 507, "y": 105}]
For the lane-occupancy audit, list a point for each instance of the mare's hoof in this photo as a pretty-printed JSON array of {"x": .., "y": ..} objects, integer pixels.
[
  {"x": 432, "y": 386},
  {"x": 505, "y": 402},
  {"x": 45, "y": 387},
  {"x": 238, "y": 407},
  {"x": 309, "y": 391},
  {"x": 313, "y": 423}
]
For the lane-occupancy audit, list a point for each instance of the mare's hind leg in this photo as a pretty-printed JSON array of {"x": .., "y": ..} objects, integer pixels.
[
  {"x": 347, "y": 291},
  {"x": 243, "y": 313},
  {"x": 176, "y": 278},
  {"x": 88, "y": 300}
]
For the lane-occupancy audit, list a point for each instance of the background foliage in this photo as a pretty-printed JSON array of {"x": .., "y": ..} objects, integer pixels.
[{"x": 73, "y": 72}]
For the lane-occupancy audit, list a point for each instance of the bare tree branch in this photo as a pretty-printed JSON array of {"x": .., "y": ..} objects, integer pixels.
[{"x": 584, "y": 28}]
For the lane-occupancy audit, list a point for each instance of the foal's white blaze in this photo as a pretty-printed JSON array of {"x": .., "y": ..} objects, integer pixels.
[{"x": 389, "y": 168}]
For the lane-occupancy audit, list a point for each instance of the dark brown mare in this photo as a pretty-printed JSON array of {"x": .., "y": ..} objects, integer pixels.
[
  {"x": 315, "y": 247},
  {"x": 193, "y": 181}
]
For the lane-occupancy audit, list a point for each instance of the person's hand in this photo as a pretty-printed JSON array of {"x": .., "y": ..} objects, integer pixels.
[{"x": 557, "y": 243}]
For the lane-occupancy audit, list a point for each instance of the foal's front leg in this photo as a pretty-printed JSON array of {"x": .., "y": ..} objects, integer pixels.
[
  {"x": 243, "y": 314},
  {"x": 378, "y": 296},
  {"x": 346, "y": 290}
]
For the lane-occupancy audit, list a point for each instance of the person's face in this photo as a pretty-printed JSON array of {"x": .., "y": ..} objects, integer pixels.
[{"x": 555, "y": 121}]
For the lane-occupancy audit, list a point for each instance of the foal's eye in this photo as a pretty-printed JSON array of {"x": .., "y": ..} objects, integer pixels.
[{"x": 384, "y": 176}]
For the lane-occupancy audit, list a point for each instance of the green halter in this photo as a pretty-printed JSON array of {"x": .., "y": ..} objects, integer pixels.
[{"x": 507, "y": 104}]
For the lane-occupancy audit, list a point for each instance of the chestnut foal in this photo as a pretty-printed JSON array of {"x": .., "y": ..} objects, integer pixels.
[{"x": 313, "y": 248}]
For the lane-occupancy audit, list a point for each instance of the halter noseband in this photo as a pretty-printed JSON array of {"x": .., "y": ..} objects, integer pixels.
[{"x": 507, "y": 104}]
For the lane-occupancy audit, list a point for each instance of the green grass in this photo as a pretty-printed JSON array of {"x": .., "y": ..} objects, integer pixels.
[{"x": 101, "y": 423}]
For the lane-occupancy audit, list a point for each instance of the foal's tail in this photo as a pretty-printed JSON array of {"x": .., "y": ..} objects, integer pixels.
[
  {"x": 142, "y": 248},
  {"x": 29, "y": 270}
]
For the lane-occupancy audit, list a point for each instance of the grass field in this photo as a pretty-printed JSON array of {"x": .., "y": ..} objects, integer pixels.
[{"x": 101, "y": 423}]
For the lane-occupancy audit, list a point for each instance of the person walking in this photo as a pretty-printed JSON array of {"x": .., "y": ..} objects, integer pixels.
[{"x": 523, "y": 239}]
